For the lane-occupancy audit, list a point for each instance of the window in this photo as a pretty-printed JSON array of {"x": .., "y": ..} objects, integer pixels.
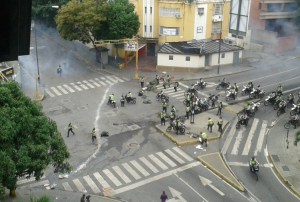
[
  {"x": 216, "y": 29},
  {"x": 169, "y": 12},
  {"x": 187, "y": 58},
  {"x": 145, "y": 10},
  {"x": 145, "y": 27},
  {"x": 170, "y": 57},
  {"x": 150, "y": 10},
  {"x": 217, "y": 9},
  {"x": 169, "y": 31},
  {"x": 223, "y": 55},
  {"x": 150, "y": 28},
  {"x": 200, "y": 11}
]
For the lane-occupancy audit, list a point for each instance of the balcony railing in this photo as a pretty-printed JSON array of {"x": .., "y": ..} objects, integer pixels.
[{"x": 277, "y": 1}]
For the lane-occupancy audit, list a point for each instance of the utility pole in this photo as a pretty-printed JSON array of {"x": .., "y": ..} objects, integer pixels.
[{"x": 219, "y": 57}]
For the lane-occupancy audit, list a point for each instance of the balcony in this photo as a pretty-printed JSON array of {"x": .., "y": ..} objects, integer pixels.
[{"x": 276, "y": 15}]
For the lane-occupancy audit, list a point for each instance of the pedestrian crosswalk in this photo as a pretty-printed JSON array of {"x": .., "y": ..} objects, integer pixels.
[
  {"x": 179, "y": 94},
  {"x": 127, "y": 173},
  {"x": 246, "y": 141},
  {"x": 65, "y": 89}
]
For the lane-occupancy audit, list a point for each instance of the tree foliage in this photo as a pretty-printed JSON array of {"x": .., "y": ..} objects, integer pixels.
[
  {"x": 29, "y": 141},
  {"x": 91, "y": 20},
  {"x": 122, "y": 21},
  {"x": 43, "y": 12}
]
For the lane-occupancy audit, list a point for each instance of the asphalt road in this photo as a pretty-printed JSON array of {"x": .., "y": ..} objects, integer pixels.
[{"x": 134, "y": 144}]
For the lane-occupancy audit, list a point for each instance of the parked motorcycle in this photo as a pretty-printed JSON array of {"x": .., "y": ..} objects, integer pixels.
[
  {"x": 131, "y": 100},
  {"x": 242, "y": 121},
  {"x": 222, "y": 85},
  {"x": 200, "y": 85},
  {"x": 295, "y": 110},
  {"x": 161, "y": 97},
  {"x": 230, "y": 95},
  {"x": 294, "y": 121},
  {"x": 254, "y": 94},
  {"x": 246, "y": 90},
  {"x": 181, "y": 128}
]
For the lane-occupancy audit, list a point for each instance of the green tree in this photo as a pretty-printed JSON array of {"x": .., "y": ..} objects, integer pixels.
[
  {"x": 43, "y": 12},
  {"x": 122, "y": 21},
  {"x": 29, "y": 141}
]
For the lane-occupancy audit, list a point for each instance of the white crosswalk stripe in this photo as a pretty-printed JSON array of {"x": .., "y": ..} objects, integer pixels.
[
  {"x": 64, "y": 89},
  {"x": 130, "y": 172},
  {"x": 246, "y": 141}
]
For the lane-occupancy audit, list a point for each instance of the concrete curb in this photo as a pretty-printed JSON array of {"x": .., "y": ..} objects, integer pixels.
[
  {"x": 238, "y": 187},
  {"x": 282, "y": 178},
  {"x": 184, "y": 143}
]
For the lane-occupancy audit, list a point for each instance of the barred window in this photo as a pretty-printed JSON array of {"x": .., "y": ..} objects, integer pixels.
[
  {"x": 217, "y": 9},
  {"x": 216, "y": 29},
  {"x": 169, "y": 12},
  {"x": 187, "y": 58},
  {"x": 170, "y": 57}
]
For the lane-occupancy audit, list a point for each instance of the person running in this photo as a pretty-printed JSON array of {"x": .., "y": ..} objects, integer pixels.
[{"x": 70, "y": 129}]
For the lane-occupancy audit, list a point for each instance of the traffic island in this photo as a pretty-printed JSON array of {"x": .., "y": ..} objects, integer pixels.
[{"x": 216, "y": 164}]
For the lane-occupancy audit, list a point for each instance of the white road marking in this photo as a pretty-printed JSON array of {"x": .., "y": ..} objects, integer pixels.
[
  {"x": 117, "y": 78},
  {"x": 158, "y": 162},
  {"x": 56, "y": 91},
  {"x": 184, "y": 155},
  {"x": 131, "y": 171},
  {"x": 68, "y": 88},
  {"x": 112, "y": 79},
  {"x": 174, "y": 156},
  {"x": 250, "y": 136},
  {"x": 92, "y": 184},
  {"x": 178, "y": 92},
  {"x": 94, "y": 83},
  {"x": 62, "y": 90},
  {"x": 237, "y": 142},
  {"x": 67, "y": 186},
  {"x": 101, "y": 180},
  {"x": 88, "y": 84},
  {"x": 139, "y": 168},
  {"x": 82, "y": 85},
  {"x": 155, "y": 178},
  {"x": 229, "y": 137},
  {"x": 261, "y": 137},
  {"x": 79, "y": 186},
  {"x": 124, "y": 177},
  {"x": 112, "y": 177},
  {"x": 107, "y": 81},
  {"x": 101, "y": 82},
  {"x": 266, "y": 165},
  {"x": 76, "y": 87},
  {"x": 49, "y": 93},
  {"x": 206, "y": 182},
  {"x": 166, "y": 159},
  {"x": 149, "y": 165}
]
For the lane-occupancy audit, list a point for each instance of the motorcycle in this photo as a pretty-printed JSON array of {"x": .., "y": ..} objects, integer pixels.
[
  {"x": 162, "y": 97},
  {"x": 112, "y": 103},
  {"x": 190, "y": 90},
  {"x": 181, "y": 128},
  {"x": 269, "y": 100},
  {"x": 294, "y": 120},
  {"x": 242, "y": 120},
  {"x": 222, "y": 85},
  {"x": 203, "y": 104},
  {"x": 230, "y": 95},
  {"x": 131, "y": 100},
  {"x": 255, "y": 106},
  {"x": 281, "y": 108},
  {"x": 246, "y": 90},
  {"x": 200, "y": 85},
  {"x": 295, "y": 110},
  {"x": 254, "y": 169},
  {"x": 255, "y": 94}
]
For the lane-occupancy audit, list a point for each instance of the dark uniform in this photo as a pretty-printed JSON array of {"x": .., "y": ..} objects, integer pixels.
[
  {"x": 70, "y": 129},
  {"x": 122, "y": 101},
  {"x": 176, "y": 84},
  {"x": 93, "y": 134},
  {"x": 220, "y": 106}
]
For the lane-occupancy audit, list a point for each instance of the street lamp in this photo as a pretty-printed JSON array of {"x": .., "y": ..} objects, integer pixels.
[{"x": 219, "y": 57}]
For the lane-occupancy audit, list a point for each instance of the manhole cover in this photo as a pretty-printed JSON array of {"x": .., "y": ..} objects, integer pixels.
[
  {"x": 285, "y": 168},
  {"x": 133, "y": 145}
]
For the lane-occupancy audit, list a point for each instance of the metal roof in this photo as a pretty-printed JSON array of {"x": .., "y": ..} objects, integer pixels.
[{"x": 197, "y": 47}]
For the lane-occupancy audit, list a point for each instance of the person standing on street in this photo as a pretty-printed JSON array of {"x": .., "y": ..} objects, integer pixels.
[
  {"x": 163, "y": 197},
  {"x": 210, "y": 124},
  {"x": 187, "y": 111},
  {"x": 122, "y": 100},
  {"x": 203, "y": 138},
  {"x": 220, "y": 106},
  {"x": 142, "y": 80},
  {"x": 164, "y": 106},
  {"x": 70, "y": 129},
  {"x": 192, "y": 115},
  {"x": 93, "y": 134},
  {"x": 176, "y": 85},
  {"x": 220, "y": 124},
  {"x": 157, "y": 79},
  {"x": 82, "y": 199},
  {"x": 162, "y": 118}
]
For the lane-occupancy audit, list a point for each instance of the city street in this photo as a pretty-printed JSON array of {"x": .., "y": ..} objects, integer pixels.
[{"x": 136, "y": 162}]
